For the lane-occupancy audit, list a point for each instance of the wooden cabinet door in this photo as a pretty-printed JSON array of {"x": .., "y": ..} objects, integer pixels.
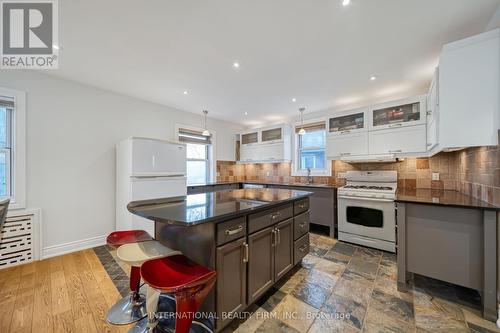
[
  {"x": 231, "y": 278},
  {"x": 260, "y": 263},
  {"x": 283, "y": 250}
]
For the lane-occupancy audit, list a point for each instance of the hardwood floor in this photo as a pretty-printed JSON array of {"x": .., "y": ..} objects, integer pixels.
[{"x": 70, "y": 293}]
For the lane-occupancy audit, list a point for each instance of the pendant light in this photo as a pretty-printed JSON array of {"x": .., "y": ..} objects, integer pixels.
[
  {"x": 302, "y": 131},
  {"x": 205, "y": 131}
]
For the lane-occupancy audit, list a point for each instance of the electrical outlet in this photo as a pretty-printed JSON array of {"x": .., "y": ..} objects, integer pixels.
[
  {"x": 435, "y": 176},
  {"x": 341, "y": 175},
  {"x": 268, "y": 173}
]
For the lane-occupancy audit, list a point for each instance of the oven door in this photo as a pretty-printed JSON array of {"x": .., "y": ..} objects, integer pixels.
[{"x": 369, "y": 217}]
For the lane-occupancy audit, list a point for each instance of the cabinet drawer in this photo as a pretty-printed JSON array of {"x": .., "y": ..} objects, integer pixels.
[
  {"x": 231, "y": 230},
  {"x": 301, "y": 248},
  {"x": 269, "y": 217},
  {"x": 301, "y": 206},
  {"x": 300, "y": 225}
]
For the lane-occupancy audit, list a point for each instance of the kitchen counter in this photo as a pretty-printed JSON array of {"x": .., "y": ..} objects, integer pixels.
[
  {"x": 333, "y": 186},
  {"x": 251, "y": 237},
  {"x": 442, "y": 197},
  {"x": 194, "y": 209}
]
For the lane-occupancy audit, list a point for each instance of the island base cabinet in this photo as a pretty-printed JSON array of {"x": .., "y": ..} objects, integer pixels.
[
  {"x": 283, "y": 250},
  {"x": 260, "y": 263},
  {"x": 301, "y": 248},
  {"x": 231, "y": 279}
]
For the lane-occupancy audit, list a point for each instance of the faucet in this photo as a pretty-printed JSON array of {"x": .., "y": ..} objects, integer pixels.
[{"x": 309, "y": 177}]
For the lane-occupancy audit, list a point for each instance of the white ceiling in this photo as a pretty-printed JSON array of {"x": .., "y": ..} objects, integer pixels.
[{"x": 316, "y": 51}]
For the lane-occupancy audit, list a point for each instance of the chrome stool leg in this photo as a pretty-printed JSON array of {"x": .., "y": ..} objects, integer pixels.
[{"x": 131, "y": 308}]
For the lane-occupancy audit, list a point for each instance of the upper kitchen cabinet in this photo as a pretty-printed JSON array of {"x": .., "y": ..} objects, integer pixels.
[
  {"x": 433, "y": 112},
  {"x": 249, "y": 138},
  {"x": 407, "y": 141},
  {"x": 468, "y": 92},
  {"x": 348, "y": 122},
  {"x": 400, "y": 113},
  {"x": 345, "y": 146},
  {"x": 268, "y": 144},
  {"x": 272, "y": 135}
]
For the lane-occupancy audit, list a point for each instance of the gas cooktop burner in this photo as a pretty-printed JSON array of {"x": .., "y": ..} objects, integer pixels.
[{"x": 369, "y": 187}]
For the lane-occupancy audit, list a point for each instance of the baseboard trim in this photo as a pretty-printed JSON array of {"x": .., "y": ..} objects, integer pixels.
[{"x": 57, "y": 250}]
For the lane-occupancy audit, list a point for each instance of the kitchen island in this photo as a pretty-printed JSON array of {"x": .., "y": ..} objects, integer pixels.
[{"x": 251, "y": 237}]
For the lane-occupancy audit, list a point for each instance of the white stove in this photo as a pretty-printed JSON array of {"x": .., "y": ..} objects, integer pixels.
[{"x": 366, "y": 210}]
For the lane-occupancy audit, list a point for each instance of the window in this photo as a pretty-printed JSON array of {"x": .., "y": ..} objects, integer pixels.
[
  {"x": 197, "y": 163},
  {"x": 13, "y": 147},
  {"x": 6, "y": 110},
  {"x": 198, "y": 156},
  {"x": 310, "y": 151}
]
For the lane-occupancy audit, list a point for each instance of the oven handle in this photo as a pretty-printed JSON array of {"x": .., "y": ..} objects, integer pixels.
[{"x": 365, "y": 199}]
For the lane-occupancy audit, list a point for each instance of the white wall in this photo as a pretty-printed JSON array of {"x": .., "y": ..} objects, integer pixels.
[{"x": 72, "y": 130}]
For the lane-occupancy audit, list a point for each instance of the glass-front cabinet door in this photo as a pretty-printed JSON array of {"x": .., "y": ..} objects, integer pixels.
[
  {"x": 347, "y": 122},
  {"x": 408, "y": 112},
  {"x": 272, "y": 135},
  {"x": 249, "y": 138}
]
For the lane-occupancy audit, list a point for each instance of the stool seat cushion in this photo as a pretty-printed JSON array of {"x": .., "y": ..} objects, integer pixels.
[
  {"x": 174, "y": 273},
  {"x": 119, "y": 238},
  {"x": 135, "y": 254}
]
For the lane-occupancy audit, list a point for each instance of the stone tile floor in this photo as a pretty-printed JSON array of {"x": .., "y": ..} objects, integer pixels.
[{"x": 344, "y": 288}]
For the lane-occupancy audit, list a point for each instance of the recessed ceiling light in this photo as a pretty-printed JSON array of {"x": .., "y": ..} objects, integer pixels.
[
  {"x": 294, "y": 100},
  {"x": 236, "y": 64},
  {"x": 345, "y": 2},
  {"x": 185, "y": 92},
  {"x": 246, "y": 113},
  {"x": 373, "y": 77}
]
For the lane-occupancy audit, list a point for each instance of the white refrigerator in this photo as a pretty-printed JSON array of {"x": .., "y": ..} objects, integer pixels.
[{"x": 147, "y": 169}]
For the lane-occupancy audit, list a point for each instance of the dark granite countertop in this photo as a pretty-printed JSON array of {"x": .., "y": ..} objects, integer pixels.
[
  {"x": 314, "y": 185},
  {"x": 194, "y": 209},
  {"x": 442, "y": 197}
]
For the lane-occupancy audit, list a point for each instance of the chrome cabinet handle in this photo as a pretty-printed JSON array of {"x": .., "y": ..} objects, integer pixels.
[
  {"x": 345, "y": 132},
  {"x": 245, "y": 257},
  {"x": 302, "y": 225},
  {"x": 273, "y": 241},
  {"x": 231, "y": 232},
  {"x": 303, "y": 248},
  {"x": 396, "y": 125},
  {"x": 395, "y": 151},
  {"x": 279, "y": 235},
  {"x": 428, "y": 113},
  {"x": 301, "y": 206},
  {"x": 345, "y": 154}
]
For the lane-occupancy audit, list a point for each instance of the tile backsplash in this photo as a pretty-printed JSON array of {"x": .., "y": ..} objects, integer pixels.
[{"x": 473, "y": 171}]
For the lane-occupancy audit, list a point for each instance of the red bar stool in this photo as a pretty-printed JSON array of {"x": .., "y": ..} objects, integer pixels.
[
  {"x": 133, "y": 307},
  {"x": 187, "y": 281}
]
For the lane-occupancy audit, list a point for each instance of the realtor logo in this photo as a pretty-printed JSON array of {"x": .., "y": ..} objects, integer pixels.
[{"x": 29, "y": 33}]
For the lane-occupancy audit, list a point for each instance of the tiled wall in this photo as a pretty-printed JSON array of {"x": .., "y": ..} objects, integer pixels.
[{"x": 474, "y": 171}]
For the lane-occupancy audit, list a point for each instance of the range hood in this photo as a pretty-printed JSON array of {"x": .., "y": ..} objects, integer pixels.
[{"x": 369, "y": 158}]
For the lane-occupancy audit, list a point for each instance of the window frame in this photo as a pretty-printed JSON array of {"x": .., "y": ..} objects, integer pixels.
[
  {"x": 17, "y": 148},
  {"x": 206, "y": 160},
  {"x": 211, "y": 149},
  {"x": 296, "y": 171}
]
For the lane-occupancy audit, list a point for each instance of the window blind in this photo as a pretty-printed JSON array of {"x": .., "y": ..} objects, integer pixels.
[
  {"x": 6, "y": 102},
  {"x": 319, "y": 126},
  {"x": 192, "y": 136}
]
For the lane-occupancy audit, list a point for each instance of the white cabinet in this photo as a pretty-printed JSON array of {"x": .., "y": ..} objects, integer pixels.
[
  {"x": 433, "y": 112},
  {"x": 348, "y": 122},
  {"x": 398, "y": 141},
  {"x": 469, "y": 88},
  {"x": 338, "y": 146},
  {"x": 268, "y": 144},
  {"x": 249, "y": 153},
  {"x": 270, "y": 152},
  {"x": 400, "y": 113}
]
